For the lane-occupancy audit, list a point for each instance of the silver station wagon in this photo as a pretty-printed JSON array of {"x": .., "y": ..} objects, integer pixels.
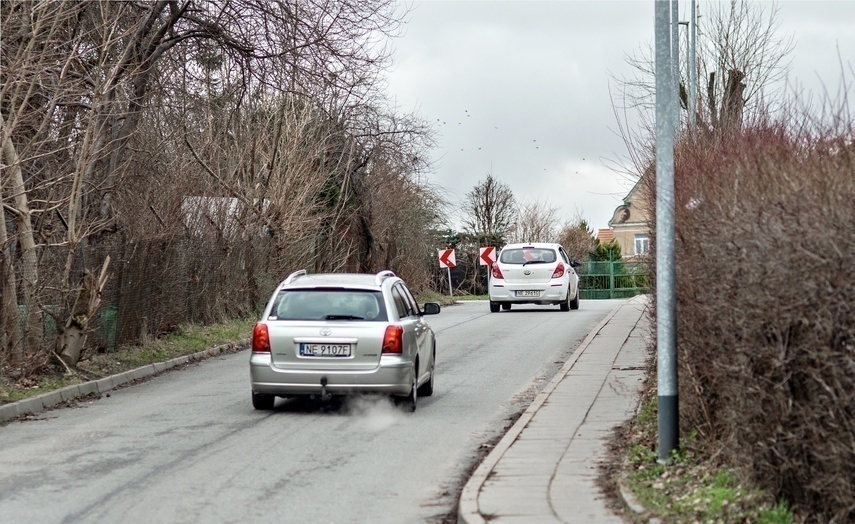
[{"x": 342, "y": 334}]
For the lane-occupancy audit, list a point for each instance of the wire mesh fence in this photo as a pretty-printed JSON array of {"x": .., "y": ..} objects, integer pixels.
[
  {"x": 597, "y": 280},
  {"x": 616, "y": 279}
]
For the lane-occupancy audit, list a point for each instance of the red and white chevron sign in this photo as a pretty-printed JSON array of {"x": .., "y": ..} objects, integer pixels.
[
  {"x": 446, "y": 258},
  {"x": 486, "y": 256}
]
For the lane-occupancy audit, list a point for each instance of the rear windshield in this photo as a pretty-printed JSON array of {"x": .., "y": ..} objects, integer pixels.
[
  {"x": 328, "y": 304},
  {"x": 527, "y": 255}
]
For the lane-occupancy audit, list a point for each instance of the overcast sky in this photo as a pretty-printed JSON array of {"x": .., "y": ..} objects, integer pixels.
[{"x": 522, "y": 89}]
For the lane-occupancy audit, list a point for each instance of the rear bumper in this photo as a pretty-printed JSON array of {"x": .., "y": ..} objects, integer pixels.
[
  {"x": 391, "y": 377},
  {"x": 548, "y": 294}
]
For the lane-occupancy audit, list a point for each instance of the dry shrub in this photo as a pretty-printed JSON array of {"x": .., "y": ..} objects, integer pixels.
[{"x": 765, "y": 227}]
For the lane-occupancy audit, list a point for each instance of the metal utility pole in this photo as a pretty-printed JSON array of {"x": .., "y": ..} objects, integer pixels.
[
  {"x": 688, "y": 71},
  {"x": 693, "y": 66},
  {"x": 691, "y": 69},
  {"x": 675, "y": 61},
  {"x": 666, "y": 296}
]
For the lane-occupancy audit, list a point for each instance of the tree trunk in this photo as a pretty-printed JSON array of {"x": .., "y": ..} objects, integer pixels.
[
  {"x": 733, "y": 102},
  {"x": 11, "y": 351},
  {"x": 252, "y": 293},
  {"x": 29, "y": 261},
  {"x": 367, "y": 244},
  {"x": 69, "y": 343},
  {"x": 711, "y": 101}
]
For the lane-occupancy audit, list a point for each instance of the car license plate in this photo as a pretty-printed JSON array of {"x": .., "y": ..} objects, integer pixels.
[
  {"x": 324, "y": 350},
  {"x": 528, "y": 293}
]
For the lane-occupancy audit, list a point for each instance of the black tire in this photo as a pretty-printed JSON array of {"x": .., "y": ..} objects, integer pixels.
[
  {"x": 565, "y": 305},
  {"x": 426, "y": 389},
  {"x": 262, "y": 402},
  {"x": 506, "y": 306},
  {"x": 410, "y": 402},
  {"x": 494, "y": 307},
  {"x": 574, "y": 304}
]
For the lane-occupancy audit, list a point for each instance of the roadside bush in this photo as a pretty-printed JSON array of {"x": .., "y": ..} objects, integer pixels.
[{"x": 765, "y": 227}]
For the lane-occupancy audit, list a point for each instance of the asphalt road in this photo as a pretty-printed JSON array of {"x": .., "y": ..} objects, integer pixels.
[{"x": 188, "y": 447}]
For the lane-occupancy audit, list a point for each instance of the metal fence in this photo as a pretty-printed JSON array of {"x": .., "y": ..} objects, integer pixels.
[
  {"x": 617, "y": 279},
  {"x": 103, "y": 326}
]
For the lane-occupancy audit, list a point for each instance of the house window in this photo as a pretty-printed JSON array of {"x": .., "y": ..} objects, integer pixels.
[{"x": 642, "y": 244}]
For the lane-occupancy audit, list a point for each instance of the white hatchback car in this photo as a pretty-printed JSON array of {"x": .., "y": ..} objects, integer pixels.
[
  {"x": 533, "y": 274},
  {"x": 340, "y": 334}
]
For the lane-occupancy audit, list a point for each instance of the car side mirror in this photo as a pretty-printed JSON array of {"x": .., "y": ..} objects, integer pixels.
[
  {"x": 575, "y": 263},
  {"x": 430, "y": 308}
]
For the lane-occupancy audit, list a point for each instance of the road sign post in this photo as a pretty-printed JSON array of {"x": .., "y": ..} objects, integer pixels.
[
  {"x": 448, "y": 261},
  {"x": 486, "y": 257}
]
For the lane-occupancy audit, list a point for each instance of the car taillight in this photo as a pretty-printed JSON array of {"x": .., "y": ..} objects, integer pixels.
[
  {"x": 260, "y": 339},
  {"x": 559, "y": 271},
  {"x": 393, "y": 340},
  {"x": 497, "y": 273}
]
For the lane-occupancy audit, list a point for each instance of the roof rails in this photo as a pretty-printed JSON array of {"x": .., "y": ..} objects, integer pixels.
[
  {"x": 383, "y": 275},
  {"x": 294, "y": 276}
]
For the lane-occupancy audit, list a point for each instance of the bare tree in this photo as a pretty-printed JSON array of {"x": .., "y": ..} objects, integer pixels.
[
  {"x": 396, "y": 209},
  {"x": 399, "y": 213},
  {"x": 741, "y": 56},
  {"x": 81, "y": 78},
  {"x": 745, "y": 56},
  {"x": 577, "y": 238},
  {"x": 490, "y": 211},
  {"x": 29, "y": 53},
  {"x": 537, "y": 222}
]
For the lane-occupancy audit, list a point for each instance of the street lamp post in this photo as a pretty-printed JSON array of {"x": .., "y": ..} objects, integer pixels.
[{"x": 666, "y": 332}]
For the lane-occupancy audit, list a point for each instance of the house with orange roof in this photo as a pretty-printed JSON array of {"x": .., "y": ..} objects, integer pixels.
[{"x": 605, "y": 235}]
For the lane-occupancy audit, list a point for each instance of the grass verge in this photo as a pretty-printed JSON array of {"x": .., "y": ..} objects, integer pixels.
[
  {"x": 433, "y": 296},
  {"x": 472, "y": 297},
  {"x": 187, "y": 340},
  {"x": 690, "y": 487}
]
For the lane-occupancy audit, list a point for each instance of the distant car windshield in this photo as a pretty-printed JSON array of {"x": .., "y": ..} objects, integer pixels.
[
  {"x": 527, "y": 255},
  {"x": 329, "y": 304}
]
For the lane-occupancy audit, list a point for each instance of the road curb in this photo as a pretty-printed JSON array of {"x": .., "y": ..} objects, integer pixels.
[
  {"x": 633, "y": 505},
  {"x": 50, "y": 399},
  {"x": 468, "y": 512}
]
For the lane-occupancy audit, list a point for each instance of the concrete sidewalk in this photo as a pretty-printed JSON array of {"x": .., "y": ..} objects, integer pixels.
[{"x": 544, "y": 469}]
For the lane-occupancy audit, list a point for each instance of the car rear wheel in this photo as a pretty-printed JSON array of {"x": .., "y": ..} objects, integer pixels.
[
  {"x": 494, "y": 307},
  {"x": 262, "y": 402},
  {"x": 565, "y": 305},
  {"x": 426, "y": 389},
  {"x": 574, "y": 304},
  {"x": 409, "y": 402},
  {"x": 506, "y": 307}
]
